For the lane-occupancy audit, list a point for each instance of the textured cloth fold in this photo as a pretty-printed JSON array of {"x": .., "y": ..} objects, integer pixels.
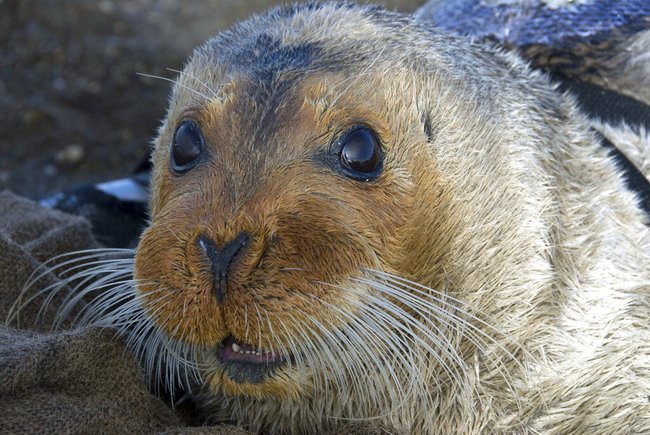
[{"x": 82, "y": 380}]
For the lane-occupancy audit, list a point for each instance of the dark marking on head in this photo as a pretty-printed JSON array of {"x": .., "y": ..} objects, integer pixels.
[
  {"x": 267, "y": 57},
  {"x": 249, "y": 48}
]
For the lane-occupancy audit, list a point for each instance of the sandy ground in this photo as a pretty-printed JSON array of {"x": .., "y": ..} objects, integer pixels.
[{"x": 72, "y": 108}]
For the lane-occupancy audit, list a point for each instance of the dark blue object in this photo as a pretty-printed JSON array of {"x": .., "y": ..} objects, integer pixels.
[{"x": 533, "y": 22}]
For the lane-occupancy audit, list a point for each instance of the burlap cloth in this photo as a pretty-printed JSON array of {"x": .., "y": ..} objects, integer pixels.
[{"x": 79, "y": 380}]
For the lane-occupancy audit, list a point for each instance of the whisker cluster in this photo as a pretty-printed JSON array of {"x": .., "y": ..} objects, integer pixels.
[
  {"x": 384, "y": 341},
  {"x": 97, "y": 289},
  {"x": 390, "y": 342}
]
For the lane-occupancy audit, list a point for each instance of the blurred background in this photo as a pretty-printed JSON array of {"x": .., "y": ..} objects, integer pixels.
[{"x": 72, "y": 108}]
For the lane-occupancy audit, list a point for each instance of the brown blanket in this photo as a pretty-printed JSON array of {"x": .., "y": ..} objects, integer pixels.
[{"x": 79, "y": 380}]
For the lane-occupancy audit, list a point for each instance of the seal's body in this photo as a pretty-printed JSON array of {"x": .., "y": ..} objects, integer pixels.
[{"x": 356, "y": 217}]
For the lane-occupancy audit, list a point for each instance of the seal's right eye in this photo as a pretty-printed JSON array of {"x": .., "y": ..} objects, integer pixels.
[
  {"x": 360, "y": 154},
  {"x": 187, "y": 146}
]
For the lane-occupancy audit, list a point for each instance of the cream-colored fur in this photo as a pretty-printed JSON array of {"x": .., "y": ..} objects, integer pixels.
[{"x": 633, "y": 142}]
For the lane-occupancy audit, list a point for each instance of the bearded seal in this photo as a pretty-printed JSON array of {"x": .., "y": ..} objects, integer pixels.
[{"x": 357, "y": 217}]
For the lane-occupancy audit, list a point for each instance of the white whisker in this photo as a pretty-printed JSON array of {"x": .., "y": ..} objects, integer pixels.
[
  {"x": 176, "y": 82},
  {"x": 212, "y": 91}
]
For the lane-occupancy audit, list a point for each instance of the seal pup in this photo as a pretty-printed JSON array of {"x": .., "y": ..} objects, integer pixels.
[{"x": 357, "y": 217}]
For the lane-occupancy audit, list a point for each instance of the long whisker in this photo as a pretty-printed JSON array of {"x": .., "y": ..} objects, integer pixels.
[
  {"x": 176, "y": 82},
  {"x": 212, "y": 91}
]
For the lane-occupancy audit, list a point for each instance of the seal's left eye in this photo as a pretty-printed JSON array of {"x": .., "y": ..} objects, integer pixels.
[
  {"x": 187, "y": 146},
  {"x": 360, "y": 154}
]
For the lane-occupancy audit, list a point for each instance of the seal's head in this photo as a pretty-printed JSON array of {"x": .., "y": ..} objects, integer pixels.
[
  {"x": 299, "y": 161},
  {"x": 282, "y": 176}
]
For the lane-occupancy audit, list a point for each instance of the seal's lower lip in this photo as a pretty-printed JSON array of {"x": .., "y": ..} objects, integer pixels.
[{"x": 235, "y": 351}]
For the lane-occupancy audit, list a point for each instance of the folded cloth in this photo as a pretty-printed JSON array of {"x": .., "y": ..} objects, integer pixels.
[{"x": 73, "y": 381}]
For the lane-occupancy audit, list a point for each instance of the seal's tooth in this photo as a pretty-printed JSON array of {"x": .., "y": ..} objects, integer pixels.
[{"x": 235, "y": 347}]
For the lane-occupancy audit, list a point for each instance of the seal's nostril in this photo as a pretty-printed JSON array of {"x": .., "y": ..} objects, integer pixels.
[{"x": 220, "y": 259}]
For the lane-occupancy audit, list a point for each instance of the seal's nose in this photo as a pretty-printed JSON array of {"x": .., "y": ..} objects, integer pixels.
[{"x": 220, "y": 259}]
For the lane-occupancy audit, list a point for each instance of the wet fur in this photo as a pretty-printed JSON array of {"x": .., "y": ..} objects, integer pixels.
[{"x": 494, "y": 277}]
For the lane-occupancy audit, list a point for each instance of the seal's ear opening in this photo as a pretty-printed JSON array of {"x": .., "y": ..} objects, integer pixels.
[{"x": 428, "y": 126}]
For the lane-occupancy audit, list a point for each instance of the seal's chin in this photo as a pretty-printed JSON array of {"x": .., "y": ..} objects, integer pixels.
[{"x": 244, "y": 362}]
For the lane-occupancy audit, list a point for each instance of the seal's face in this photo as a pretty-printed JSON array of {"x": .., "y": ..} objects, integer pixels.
[
  {"x": 328, "y": 205},
  {"x": 275, "y": 189},
  {"x": 304, "y": 230}
]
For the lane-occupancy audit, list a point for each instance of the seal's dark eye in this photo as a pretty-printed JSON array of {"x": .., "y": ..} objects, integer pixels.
[
  {"x": 360, "y": 153},
  {"x": 187, "y": 146}
]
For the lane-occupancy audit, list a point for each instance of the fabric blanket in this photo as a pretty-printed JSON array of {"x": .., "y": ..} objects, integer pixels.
[
  {"x": 65, "y": 381},
  {"x": 72, "y": 380}
]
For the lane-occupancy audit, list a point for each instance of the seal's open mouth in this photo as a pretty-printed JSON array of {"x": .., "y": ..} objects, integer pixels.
[{"x": 247, "y": 363}]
